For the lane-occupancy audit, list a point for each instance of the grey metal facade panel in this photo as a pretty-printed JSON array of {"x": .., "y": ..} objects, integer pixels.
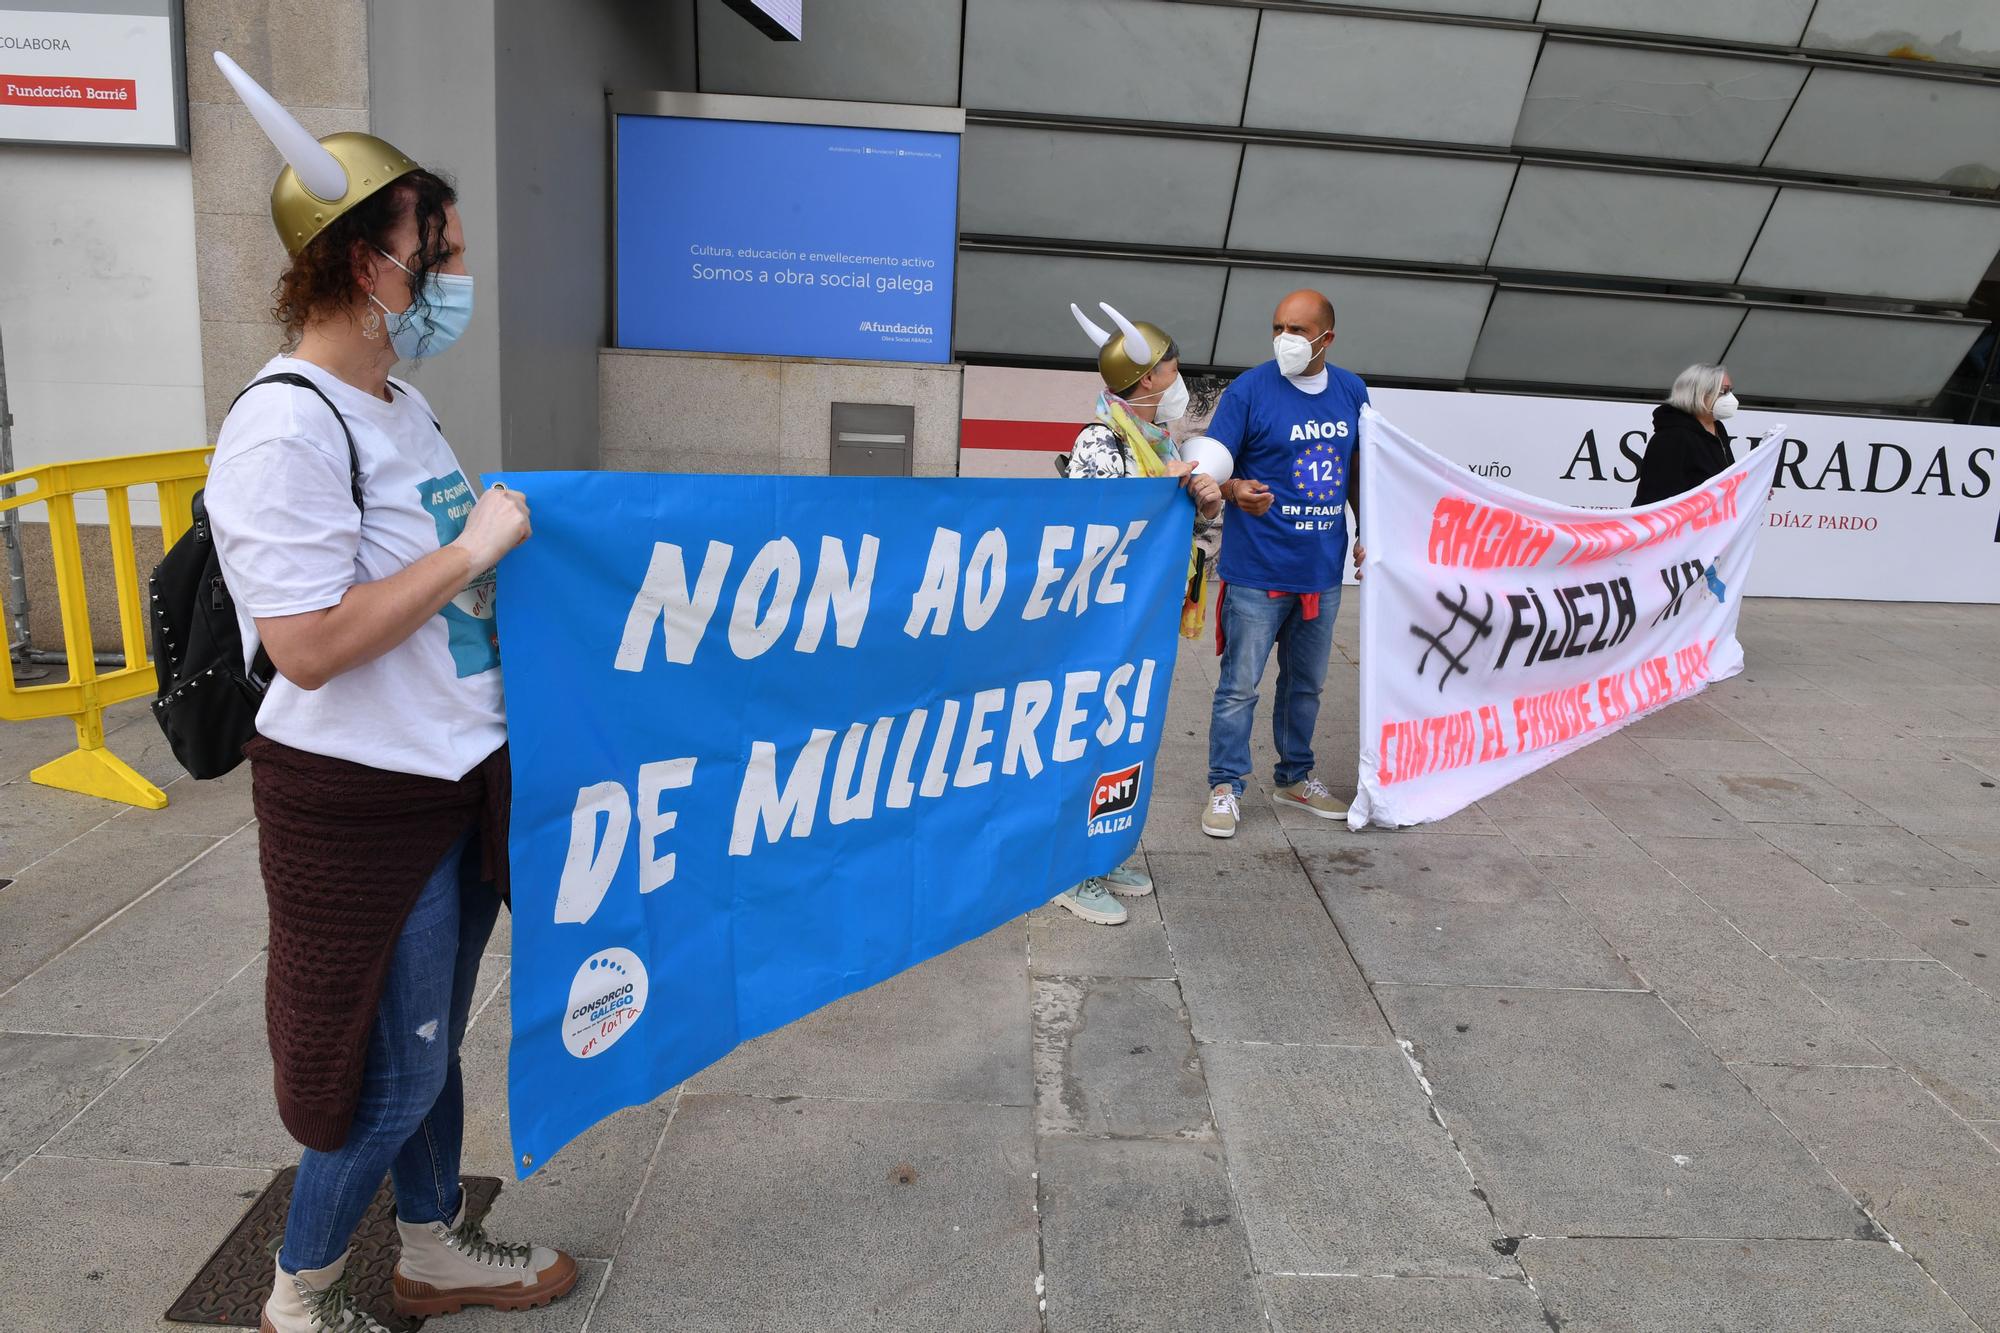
[
  {"x": 855, "y": 50},
  {"x": 789, "y": 111},
  {"x": 1386, "y": 324},
  {"x": 1077, "y": 185},
  {"x": 1837, "y": 357},
  {"x": 1325, "y": 201},
  {"x": 1588, "y": 339},
  {"x": 1389, "y": 79},
  {"x": 1520, "y": 11},
  {"x": 1018, "y": 304},
  {"x": 1957, "y": 32},
  {"x": 1893, "y": 127},
  {"x": 1768, "y": 22},
  {"x": 1675, "y": 105},
  {"x": 1630, "y": 224},
  {"x": 1137, "y": 60},
  {"x": 1906, "y": 248}
]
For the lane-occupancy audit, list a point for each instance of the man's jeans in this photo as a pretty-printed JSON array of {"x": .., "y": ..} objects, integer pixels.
[
  {"x": 1253, "y": 621},
  {"x": 410, "y": 1121}
]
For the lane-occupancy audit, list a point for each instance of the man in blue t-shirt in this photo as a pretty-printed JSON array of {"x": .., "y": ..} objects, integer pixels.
[{"x": 1291, "y": 425}]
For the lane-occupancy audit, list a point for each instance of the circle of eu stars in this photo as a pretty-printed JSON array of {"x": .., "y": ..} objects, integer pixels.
[{"x": 1302, "y": 474}]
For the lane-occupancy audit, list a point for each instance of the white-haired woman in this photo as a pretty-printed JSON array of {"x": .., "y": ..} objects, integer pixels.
[{"x": 1690, "y": 444}]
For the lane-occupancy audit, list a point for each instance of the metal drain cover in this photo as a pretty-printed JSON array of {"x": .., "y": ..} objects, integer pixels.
[{"x": 230, "y": 1289}]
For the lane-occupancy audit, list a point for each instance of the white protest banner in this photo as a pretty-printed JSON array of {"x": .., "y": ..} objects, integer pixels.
[
  {"x": 1866, "y": 507},
  {"x": 1500, "y": 632}
]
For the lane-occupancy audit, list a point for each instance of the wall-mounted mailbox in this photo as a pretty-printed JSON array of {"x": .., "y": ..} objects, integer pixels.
[{"x": 871, "y": 440}]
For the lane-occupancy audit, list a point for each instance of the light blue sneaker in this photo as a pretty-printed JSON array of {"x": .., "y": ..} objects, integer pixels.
[
  {"x": 1128, "y": 883},
  {"x": 1093, "y": 902}
]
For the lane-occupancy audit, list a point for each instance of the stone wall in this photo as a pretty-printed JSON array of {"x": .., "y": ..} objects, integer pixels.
[
  {"x": 100, "y": 591},
  {"x": 700, "y": 412},
  {"x": 314, "y": 59}
]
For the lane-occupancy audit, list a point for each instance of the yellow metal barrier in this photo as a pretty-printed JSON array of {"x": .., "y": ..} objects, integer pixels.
[{"x": 90, "y": 768}]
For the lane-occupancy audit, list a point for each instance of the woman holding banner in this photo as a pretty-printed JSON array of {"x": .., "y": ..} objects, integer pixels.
[
  {"x": 1690, "y": 443},
  {"x": 360, "y": 559},
  {"x": 1143, "y": 395}
]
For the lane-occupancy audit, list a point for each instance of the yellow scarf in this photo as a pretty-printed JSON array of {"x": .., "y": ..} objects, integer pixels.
[{"x": 1138, "y": 436}]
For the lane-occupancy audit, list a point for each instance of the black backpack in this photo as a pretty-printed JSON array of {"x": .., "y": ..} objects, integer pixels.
[{"x": 207, "y": 702}]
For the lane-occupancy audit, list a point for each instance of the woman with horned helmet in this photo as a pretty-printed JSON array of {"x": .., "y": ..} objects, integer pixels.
[
  {"x": 360, "y": 558},
  {"x": 1143, "y": 396}
]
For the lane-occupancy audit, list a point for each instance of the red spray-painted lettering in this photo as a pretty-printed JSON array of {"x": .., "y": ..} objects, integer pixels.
[{"x": 1468, "y": 535}]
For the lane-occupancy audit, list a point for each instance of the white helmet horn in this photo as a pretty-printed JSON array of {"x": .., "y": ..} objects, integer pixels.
[
  {"x": 1097, "y": 336},
  {"x": 317, "y": 169},
  {"x": 1137, "y": 348}
]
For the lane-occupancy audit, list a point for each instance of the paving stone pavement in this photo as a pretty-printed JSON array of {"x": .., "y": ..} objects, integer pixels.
[{"x": 1696, "y": 1029}]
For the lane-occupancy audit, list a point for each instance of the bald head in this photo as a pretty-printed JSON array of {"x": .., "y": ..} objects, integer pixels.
[
  {"x": 1309, "y": 315},
  {"x": 1305, "y": 312}
]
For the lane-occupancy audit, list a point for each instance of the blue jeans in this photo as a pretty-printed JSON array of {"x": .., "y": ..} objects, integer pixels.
[
  {"x": 1252, "y": 622},
  {"x": 410, "y": 1121}
]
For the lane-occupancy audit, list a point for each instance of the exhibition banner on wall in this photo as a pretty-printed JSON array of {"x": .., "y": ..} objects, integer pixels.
[
  {"x": 99, "y": 72},
  {"x": 784, "y": 239},
  {"x": 776, "y": 739},
  {"x": 1499, "y": 632},
  {"x": 1868, "y": 508}
]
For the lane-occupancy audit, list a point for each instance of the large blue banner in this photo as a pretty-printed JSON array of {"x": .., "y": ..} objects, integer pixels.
[
  {"x": 776, "y": 739},
  {"x": 785, "y": 240}
]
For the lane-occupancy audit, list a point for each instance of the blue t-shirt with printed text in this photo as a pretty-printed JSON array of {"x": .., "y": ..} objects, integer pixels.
[{"x": 1301, "y": 445}]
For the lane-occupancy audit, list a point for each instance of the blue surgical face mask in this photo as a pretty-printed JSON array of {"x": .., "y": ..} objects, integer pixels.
[{"x": 434, "y": 323}]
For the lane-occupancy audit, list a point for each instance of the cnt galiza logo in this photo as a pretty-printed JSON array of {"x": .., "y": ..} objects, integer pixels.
[{"x": 1113, "y": 799}]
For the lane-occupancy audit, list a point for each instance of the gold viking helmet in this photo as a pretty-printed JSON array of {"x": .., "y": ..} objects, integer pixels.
[
  {"x": 323, "y": 178},
  {"x": 1126, "y": 357}
]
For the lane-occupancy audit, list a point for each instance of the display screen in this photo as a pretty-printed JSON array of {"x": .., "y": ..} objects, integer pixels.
[{"x": 785, "y": 240}]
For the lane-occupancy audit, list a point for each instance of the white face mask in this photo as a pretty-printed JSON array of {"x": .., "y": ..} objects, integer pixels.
[
  {"x": 1294, "y": 352},
  {"x": 1170, "y": 403},
  {"x": 1725, "y": 407}
]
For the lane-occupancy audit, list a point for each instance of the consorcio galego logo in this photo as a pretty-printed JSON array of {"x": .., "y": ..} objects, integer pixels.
[
  {"x": 605, "y": 1000},
  {"x": 1113, "y": 799}
]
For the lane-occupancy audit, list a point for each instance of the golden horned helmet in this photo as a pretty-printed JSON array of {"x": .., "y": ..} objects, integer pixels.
[
  {"x": 1126, "y": 357},
  {"x": 323, "y": 178}
]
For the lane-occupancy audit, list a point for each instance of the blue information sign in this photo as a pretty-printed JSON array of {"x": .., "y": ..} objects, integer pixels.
[{"x": 785, "y": 240}]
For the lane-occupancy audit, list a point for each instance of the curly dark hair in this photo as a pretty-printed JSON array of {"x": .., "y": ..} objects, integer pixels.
[
  {"x": 1204, "y": 392},
  {"x": 320, "y": 280}
]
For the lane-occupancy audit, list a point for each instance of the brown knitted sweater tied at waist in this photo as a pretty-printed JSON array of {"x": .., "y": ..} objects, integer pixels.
[{"x": 345, "y": 849}]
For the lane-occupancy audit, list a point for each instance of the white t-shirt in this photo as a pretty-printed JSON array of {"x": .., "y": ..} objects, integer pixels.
[{"x": 291, "y": 541}]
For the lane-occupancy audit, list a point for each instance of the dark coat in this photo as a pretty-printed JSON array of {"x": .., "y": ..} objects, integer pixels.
[{"x": 1681, "y": 456}]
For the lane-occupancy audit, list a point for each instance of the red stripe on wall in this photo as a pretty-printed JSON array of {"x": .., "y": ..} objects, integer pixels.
[{"x": 1031, "y": 436}]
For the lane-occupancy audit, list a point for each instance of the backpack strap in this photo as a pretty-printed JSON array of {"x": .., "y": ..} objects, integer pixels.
[
  {"x": 262, "y": 670},
  {"x": 301, "y": 382}
]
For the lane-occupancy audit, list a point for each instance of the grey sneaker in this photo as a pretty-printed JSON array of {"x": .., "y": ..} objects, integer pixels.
[
  {"x": 1223, "y": 813},
  {"x": 1312, "y": 797},
  {"x": 1094, "y": 903},
  {"x": 1127, "y": 882}
]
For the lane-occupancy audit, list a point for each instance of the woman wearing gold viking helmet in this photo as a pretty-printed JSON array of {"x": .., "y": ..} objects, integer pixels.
[
  {"x": 1143, "y": 396},
  {"x": 360, "y": 559}
]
